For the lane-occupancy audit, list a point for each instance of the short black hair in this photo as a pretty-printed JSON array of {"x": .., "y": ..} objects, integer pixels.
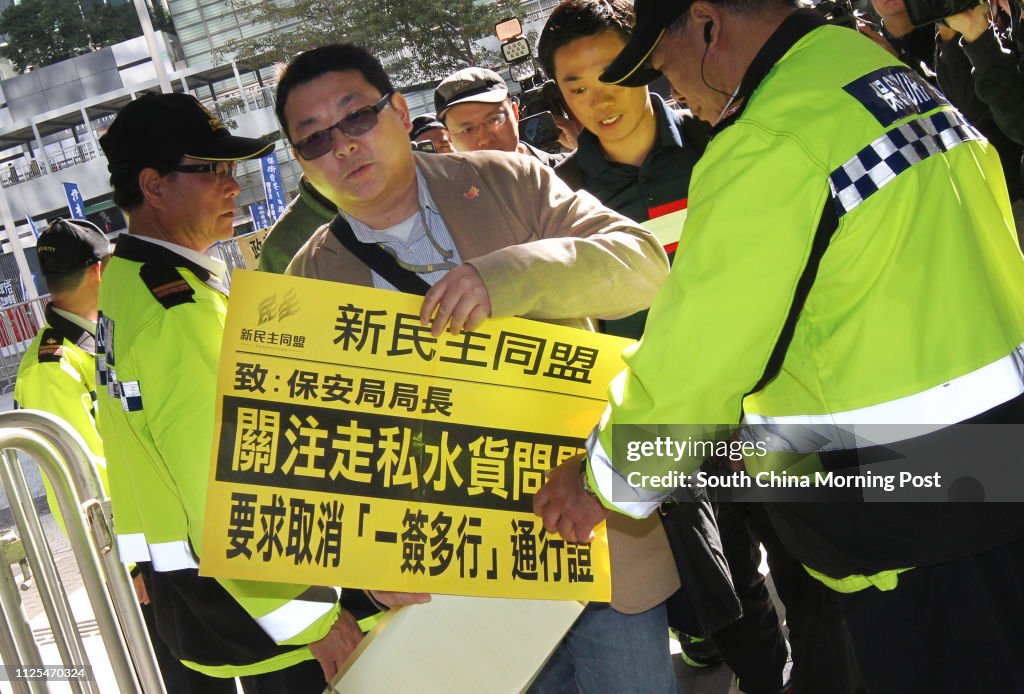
[
  {"x": 336, "y": 57},
  {"x": 127, "y": 193},
  {"x": 743, "y": 7},
  {"x": 67, "y": 282},
  {"x": 577, "y": 19}
]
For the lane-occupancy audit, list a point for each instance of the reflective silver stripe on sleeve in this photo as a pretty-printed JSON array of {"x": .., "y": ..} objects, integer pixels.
[
  {"x": 894, "y": 152},
  {"x": 642, "y": 505},
  {"x": 918, "y": 414},
  {"x": 172, "y": 556},
  {"x": 292, "y": 618},
  {"x": 133, "y": 548}
]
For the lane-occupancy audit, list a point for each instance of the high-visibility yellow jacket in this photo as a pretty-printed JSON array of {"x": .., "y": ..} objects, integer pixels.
[
  {"x": 849, "y": 258},
  {"x": 58, "y": 375},
  {"x": 158, "y": 344}
]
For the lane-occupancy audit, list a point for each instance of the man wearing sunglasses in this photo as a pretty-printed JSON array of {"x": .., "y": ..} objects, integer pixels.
[
  {"x": 482, "y": 234},
  {"x": 162, "y": 308}
]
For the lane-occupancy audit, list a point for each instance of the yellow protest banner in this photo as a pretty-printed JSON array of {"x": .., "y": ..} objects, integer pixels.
[{"x": 352, "y": 448}]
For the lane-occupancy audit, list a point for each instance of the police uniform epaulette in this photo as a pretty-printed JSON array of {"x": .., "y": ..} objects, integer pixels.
[
  {"x": 51, "y": 346},
  {"x": 166, "y": 284}
]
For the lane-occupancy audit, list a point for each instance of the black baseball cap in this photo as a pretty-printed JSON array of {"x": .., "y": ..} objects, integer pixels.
[
  {"x": 70, "y": 245},
  {"x": 469, "y": 85},
  {"x": 421, "y": 124},
  {"x": 630, "y": 67},
  {"x": 157, "y": 130}
]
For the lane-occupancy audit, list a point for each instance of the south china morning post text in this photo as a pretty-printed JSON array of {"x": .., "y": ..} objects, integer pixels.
[{"x": 685, "y": 462}]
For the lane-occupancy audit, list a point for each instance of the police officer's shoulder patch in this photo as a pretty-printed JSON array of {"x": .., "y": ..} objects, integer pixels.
[
  {"x": 51, "y": 346},
  {"x": 893, "y": 93},
  {"x": 166, "y": 284}
]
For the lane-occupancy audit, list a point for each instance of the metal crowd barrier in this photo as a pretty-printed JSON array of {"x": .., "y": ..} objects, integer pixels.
[{"x": 64, "y": 459}]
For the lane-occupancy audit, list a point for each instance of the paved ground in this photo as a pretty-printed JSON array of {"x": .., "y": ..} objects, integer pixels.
[{"x": 717, "y": 680}]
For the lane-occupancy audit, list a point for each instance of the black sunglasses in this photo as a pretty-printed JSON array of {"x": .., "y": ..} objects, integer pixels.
[
  {"x": 221, "y": 169},
  {"x": 356, "y": 123}
]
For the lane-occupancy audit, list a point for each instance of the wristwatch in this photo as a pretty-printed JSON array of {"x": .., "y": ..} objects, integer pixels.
[{"x": 585, "y": 480}]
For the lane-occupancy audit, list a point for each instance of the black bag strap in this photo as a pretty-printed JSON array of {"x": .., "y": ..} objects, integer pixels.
[
  {"x": 378, "y": 259},
  {"x": 828, "y": 223}
]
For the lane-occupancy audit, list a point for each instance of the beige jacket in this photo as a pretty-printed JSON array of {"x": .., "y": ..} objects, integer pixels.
[{"x": 547, "y": 253}]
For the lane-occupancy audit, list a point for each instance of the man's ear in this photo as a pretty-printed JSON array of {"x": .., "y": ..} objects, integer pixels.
[
  {"x": 402, "y": 109},
  {"x": 152, "y": 185},
  {"x": 703, "y": 13}
]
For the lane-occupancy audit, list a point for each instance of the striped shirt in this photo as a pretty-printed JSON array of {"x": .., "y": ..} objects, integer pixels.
[{"x": 417, "y": 249}]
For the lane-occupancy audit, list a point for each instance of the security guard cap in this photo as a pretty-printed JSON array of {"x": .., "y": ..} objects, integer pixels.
[{"x": 70, "y": 245}]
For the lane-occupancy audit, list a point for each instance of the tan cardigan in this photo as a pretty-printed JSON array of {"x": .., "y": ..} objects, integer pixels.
[{"x": 547, "y": 253}]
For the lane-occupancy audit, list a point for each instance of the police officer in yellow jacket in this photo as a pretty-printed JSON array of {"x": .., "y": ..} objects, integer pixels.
[
  {"x": 850, "y": 262},
  {"x": 58, "y": 375},
  {"x": 58, "y": 372},
  {"x": 162, "y": 310}
]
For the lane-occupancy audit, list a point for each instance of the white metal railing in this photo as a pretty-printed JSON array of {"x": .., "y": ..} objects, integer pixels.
[
  {"x": 26, "y": 168},
  {"x": 63, "y": 457}
]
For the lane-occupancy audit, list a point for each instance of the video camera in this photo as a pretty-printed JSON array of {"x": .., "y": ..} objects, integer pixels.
[
  {"x": 922, "y": 12},
  {"x": 540, "y": 100},
  {"x": 838, "y": 12}
]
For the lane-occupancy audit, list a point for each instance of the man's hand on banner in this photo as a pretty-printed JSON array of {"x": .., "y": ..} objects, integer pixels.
[
  {"x": 566, "y": 506},
  {"x": 459, "y": 301},
  {"x": 335, "y": 648}
]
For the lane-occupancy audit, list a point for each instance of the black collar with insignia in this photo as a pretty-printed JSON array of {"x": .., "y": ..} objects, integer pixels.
[
  {"x": 160, "y": 272},
  {"x": 66, "y": 330},
  {"x": 793, "y": 28}
]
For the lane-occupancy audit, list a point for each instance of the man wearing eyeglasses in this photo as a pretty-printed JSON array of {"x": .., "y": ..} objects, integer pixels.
[
  {"x": 482, "y": 234},
  {"x": 162, "y": 307},
  {"x": 58, "y": 375},
  {"x": 474, "y": 105}
]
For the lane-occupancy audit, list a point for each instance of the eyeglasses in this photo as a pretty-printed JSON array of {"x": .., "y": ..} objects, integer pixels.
[
  {"x": 492, "y": 123},
  {"x": 221, "y": 169},
  {"x": 356, "y": 123}
]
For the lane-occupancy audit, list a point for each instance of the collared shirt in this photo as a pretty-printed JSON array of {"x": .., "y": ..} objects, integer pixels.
[
  {"x": 644, "y": 192},
  {"x": 658, "y": 187},
  {"x": 84, "y": 323},
  {"x": 417, "y": 249},
  {"x": 214, "y": 266}
]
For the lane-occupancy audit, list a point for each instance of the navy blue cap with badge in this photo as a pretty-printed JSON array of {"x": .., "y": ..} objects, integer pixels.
[
  {"x": 631, "y": 67},
  {"x": 157, "y": 130},
  {"x": 70, "y": 245},
  {"x": 421, "y": 124}
]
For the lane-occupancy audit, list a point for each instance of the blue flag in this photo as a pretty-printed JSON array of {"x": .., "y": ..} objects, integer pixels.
[
  {"x": 76, "y": 203},
  {"x": 272, "y": 186},
  {"x": 260, "y": 218}
]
